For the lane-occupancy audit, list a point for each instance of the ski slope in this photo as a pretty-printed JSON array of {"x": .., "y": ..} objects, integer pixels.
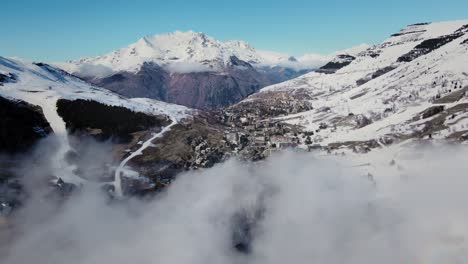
[
  {"x": 391, "y": 98},
  {"x": 43, "y": 85}
]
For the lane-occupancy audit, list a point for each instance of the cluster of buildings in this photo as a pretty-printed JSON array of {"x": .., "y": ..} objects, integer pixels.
[{"x": 251, "y": 130}]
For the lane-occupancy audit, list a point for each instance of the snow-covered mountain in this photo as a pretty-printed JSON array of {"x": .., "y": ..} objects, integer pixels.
[
  {"x": 40, "y": 84},
  {"x": 413, "y": 84},
  {"x": 40, "y": 99},
  {"x": 192, "y": 69},
  {"x": 184, "y": 52}
]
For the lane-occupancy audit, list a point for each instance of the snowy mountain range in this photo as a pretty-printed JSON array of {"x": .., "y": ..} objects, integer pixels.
[
  {"x": 183, "y": 52},
  {"x": 413, "y": 84},
  {"x": 383, "y": 123},
  {"x": 192, "y": 69}
]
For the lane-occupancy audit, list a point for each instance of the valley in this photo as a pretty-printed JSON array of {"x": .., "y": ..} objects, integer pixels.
[{"x": 196, "y": 134}]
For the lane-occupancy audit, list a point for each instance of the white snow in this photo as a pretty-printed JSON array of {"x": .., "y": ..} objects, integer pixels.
[
  {"x": 43, "y": 86},
  {"x": 391, "y": 99},
  {"x": 190, "y": 52},
  {"x": 120, "y": 170}
]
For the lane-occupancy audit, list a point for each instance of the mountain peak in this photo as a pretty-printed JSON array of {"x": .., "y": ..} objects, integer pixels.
[{"x": 181, "y": 47}]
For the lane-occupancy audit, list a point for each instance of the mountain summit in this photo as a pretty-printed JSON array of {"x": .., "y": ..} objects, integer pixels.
[
  {"x": 194, "y": 48},
  {"x": 192, "y": 69}
]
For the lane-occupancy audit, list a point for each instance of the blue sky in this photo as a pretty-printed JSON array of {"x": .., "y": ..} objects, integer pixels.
[{"x": 53, "y": 30}]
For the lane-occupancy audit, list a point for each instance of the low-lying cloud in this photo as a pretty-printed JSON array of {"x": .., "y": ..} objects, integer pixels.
[
  {"x": 94, "y": 71},
  {"x": 292, "y": 208}
]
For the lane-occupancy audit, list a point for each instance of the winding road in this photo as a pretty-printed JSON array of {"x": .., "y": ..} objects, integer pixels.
[{"x": 118, "y": 173}]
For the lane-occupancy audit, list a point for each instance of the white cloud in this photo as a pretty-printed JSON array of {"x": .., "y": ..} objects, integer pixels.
[
  {"x": 302, "y": 208},
  {"x": 91, "y": 70}
]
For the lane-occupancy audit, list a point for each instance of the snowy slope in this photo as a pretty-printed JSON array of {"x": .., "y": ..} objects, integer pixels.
[
  {"x": 43, "y": 85},
  {"x": 388, "y": 85},
  {"x": 40, "y": 84},
  {"x": 187, "y": 52}
]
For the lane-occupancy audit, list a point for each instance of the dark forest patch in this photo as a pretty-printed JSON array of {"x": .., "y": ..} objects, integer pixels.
[
  {"x": 428, "y": 46},
  {"x": 339, "y": 62},
  {"x": 374, "y": 75},
  {"x": 21, "y": 125},
  {"x": 105, "y": 121}
]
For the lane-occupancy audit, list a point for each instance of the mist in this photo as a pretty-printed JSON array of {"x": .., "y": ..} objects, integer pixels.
[
  {"x": 90, "y": 70},
  {"x": 401, "y": 205}
]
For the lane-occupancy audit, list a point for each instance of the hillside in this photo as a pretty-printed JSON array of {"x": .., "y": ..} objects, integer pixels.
[{"x": 412, "y": 85}]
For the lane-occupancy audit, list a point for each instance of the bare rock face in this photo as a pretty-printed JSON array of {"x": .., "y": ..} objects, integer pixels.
[
  {"x": 7, "y": 78},
  {"x": 201, "y": 90},
  {"x": 337, "y": 63},
  {"x": 151, "y": 81},
  {"x": 432, "y": 111},
  {"x": 208, "y": 90}
]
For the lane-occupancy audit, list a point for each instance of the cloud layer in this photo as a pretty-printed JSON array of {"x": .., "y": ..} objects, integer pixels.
[{"x": 293, "y": 208}]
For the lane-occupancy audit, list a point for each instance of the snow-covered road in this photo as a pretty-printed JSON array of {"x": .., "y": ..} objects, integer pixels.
[
  {"x": 61, "y": 167},
  {"x": 118, "y": 173}
]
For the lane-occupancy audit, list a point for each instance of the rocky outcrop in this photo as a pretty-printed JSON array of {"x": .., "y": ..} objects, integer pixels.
[
  {"x": 337, "y": 63},
  {"x": 202, "y": 90},
  {"x": 427, "y": 46},
  {"x": 209, "y": 90},
  {"x": 375, "y": 75},
  {"x": 21, "y": 125},
  {"x": 151, "y": 82},
  {"x": 432, "y": 111},
  {"x": 7, "y": 78}
]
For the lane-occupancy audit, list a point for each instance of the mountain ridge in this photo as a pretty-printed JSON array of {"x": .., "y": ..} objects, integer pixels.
[
  {"x": 191, "y": 47},
  {"x": 375, "y": 95},
  {"x": 192, "y": 69}
]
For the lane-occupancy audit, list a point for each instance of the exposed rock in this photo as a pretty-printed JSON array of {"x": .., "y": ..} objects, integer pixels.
[
  {"x": 428, "y": 46},
  {"x": 362, "y": 121},
  {"x": 432, "y": 111},
  {"x": 452, "y": 97},
  {"x": 151, "y": 81},
  {"x": 212, "y": 89},
  {"x": 408, "y": 32},
  {"x": 356, "y": 146},
  {"x": 203, "y": 90},
  {"x": 339, "y": 62},
  {"x": 7, "y": 78},
  {"x": 237, "y": 62},
  {"x": 375, "y": 75},
  {"x": 463, "y": 29}
]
